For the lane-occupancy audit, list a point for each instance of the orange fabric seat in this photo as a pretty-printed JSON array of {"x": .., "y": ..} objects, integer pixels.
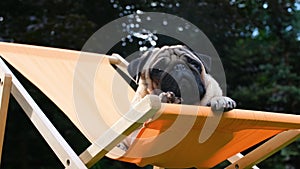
[{"x": 237, "y": 131}]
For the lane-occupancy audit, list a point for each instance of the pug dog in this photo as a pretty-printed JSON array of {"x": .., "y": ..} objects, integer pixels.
[{"x": 177, "y": 75}]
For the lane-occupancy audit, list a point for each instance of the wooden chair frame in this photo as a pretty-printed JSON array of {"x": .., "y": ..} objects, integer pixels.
[{"x": 146, "y": 109}]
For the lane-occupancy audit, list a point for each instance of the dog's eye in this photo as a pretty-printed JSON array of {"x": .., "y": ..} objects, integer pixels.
[
  {"x": 157, "y": 70},
  {"x": 156, "y": 73}
]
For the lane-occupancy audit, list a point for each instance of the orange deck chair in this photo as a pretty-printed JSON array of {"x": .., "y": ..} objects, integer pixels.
[{"x": 96, "y": 98}]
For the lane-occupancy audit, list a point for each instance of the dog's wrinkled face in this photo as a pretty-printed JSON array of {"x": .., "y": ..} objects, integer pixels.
[
  {"x": 175, "y": 69},
  {"x": 180, "y": 75}
]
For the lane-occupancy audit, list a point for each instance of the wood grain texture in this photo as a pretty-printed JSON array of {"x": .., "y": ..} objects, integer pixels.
[{"x": 5, "y": 88}]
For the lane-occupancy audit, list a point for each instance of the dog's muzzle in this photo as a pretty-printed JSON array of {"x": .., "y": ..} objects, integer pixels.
[{"x": 180, "y": 80}]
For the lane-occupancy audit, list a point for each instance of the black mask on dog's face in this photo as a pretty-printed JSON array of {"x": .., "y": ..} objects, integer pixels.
[
  {"x": 180, "y": 75},
  {"x": 174, "y": 70}
]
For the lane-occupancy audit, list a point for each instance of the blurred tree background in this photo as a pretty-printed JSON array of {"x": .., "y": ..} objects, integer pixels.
[{"x": 258, "y": 42}]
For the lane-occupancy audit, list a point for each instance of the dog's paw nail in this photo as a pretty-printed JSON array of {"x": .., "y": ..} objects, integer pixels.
[{"x": 231, "y": 104}]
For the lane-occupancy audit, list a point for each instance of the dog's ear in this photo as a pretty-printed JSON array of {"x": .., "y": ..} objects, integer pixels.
[
  {"x": 135, "y": 67},
  {"x": 206, "y": 61}
]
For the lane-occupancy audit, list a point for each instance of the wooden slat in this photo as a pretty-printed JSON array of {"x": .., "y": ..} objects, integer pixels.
[
  {"x": 266, "y": 150},
  {"x": 5, "y": 87},
  {"x": 133, "y": 119},
  {"x": 121, "y": 64}
]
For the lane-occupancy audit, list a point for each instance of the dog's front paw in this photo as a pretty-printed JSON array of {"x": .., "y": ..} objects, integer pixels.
[
  {"x": 222, "y": 103},
  {"x": 169, "y": 97}
]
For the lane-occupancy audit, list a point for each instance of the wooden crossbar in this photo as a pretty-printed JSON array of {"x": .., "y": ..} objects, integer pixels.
[{"x": 266, "y": 150}]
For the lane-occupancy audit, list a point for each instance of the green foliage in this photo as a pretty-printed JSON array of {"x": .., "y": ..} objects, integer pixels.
[
  {"x": 267, "y": 64},
  {"x": 258, "y": 42},
  {"x": 265, "y": 67}
]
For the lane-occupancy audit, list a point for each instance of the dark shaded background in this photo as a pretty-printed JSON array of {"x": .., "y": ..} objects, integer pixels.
[{"x": 258, "y": 42}]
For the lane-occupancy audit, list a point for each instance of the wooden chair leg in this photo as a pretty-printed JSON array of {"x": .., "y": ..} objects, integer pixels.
[
  {"x": 265, "y": 150},
  {"x": 5, "y": 88}
]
